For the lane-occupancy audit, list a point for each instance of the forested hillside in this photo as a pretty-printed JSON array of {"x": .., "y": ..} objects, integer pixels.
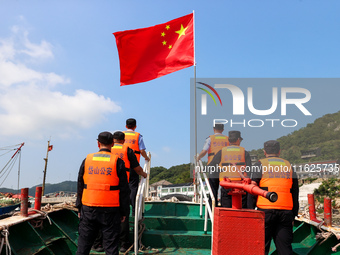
[
  {"x": 175, "y": 174},
  {"x": 67, "y": 186},
  {"x": 324, "y": 134}
]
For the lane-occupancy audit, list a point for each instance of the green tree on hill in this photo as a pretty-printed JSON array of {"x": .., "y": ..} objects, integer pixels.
[{"x": 323, "y": 133}]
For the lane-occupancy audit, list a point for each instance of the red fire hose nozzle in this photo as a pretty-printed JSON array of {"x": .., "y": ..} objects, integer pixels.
[{"x": 272, "y": 196}]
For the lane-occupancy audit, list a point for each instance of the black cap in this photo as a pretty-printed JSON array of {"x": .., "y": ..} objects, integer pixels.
[
  {"x": 105, "y": 138},
  {"x": 234, "y": 135},
  {"x": 219, "y": 126},
  {"x": 119, "y": 135},
  {"x": 272, "y": 147},
  {"x": 131, "y": 122}
]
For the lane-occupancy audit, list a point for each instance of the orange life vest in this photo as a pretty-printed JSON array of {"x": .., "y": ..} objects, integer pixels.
[
  {"x": 121, "y": 151},
  {"x": 277, "y": 176},
  {"x": 232, "y": 162},
  {"x": 101, "y": 183},
  {"x": 217, "y": 142},
  {"x": 131, "y": 139}
]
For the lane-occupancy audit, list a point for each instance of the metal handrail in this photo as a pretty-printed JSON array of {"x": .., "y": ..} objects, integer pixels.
[
  {"x": 208, "y": 210},
  {"x": 139, "y": 206},
  {"x": 204, "y": 193}
]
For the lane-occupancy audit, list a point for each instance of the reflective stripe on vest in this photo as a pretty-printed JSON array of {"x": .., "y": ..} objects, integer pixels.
[
  {"x": 232, "y": 162},
  {"x": 121, "y": 151},
  {"x": 276, "y": 177},
  {"x": 217, "y": 142},
  {"x": 131, "y": 139},
  {"x": 101, "y": 180}
]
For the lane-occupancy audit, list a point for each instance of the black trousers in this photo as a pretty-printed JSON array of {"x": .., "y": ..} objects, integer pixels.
[
  {"x": 93, "y": 220},
  {"x": 279, "y": 227},
  {"x": 226, "y": 200},
  {"x": 133, "y": 185},
  {"x": 124, "y": 233},
  {"x": 214, "y": 184}
]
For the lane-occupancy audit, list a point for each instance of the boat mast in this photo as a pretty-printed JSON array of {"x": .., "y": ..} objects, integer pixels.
[
  {"x": 18, "y": 150},
  {"x": 49, "y": 148},
  {"x": 19, "y": 169}
]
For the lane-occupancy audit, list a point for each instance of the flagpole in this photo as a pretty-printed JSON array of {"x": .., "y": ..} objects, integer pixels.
[
  {"x": 195, "y": 85},
  {"x": 194, "y": 172}
]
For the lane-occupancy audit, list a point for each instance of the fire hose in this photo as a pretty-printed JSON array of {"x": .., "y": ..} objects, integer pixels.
[{"x": 238, "y": 188}]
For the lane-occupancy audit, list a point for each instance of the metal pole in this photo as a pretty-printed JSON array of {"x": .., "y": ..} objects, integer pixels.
[
  {"x": 46, "y": 159},
  {"x": 19, "y": 170},
  {"x": 148, "y": 170},
  {"x": 195, "y": 88},
  {"x": 194, "y": 171},
  {"x": 17, "y": 151},
  {"x": 195, "y": 112}
]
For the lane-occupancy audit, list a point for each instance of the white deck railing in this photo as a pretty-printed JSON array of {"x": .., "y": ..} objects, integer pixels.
[
  {"x": 143, "y": 191},
  {"x": 203, "y": 194},
  {"x": 140, "y": 199}
]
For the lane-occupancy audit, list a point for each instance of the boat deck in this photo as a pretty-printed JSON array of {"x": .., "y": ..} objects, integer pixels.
[{"x": 171, "y": 228}]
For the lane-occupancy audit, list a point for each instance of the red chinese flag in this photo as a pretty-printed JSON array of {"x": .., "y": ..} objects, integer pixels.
[
  {"x": 151, "y": 52},
  {"x": 50, "y": 147}
]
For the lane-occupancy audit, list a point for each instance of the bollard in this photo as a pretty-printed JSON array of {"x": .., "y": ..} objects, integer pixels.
[
  {"x": 311, "y": 206},
  {"x": 327, "y": 206},
  {"x": 236, "y": 199},
  {"x": 37, "y": 201},
  {"x": 24, "y": 202}
]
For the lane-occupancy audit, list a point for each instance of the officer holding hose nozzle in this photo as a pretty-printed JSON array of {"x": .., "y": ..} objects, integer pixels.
[
  {"x": 276, "y": 175},
  {"x": 232, "y": 161}
]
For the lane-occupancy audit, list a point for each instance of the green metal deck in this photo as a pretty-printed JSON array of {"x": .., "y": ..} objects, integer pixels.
[
  {"x": 176, "y": 227},
  {"x": 171, "y": 228}
]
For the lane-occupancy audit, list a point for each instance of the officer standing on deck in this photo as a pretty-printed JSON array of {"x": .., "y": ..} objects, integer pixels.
[
  {"x": 135, "y": 141},
  {"x": 102, "y": 197},
  {"x": 212, "y": 145},
  {"x": 276, "y": 175},
  {"x": 131, "y": 163},
  {"x": 233, "y": 160}
]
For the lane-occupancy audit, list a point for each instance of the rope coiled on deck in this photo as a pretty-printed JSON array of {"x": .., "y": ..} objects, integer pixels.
[
  {"x": 142, "y": 248},
  {"x": 4, "y": 240}
]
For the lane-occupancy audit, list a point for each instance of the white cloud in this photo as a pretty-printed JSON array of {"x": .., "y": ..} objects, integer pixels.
[
  {"x": 7, "y": 50},
  {"x": 12, "y": 73},
  {"x": 42, "y": 50},
  {"x": 28, "y": 106},
  {"x": 166, "y": 149},
  {"x": 29, "y": 109}
]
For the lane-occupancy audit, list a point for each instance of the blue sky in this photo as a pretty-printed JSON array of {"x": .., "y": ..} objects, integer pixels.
[{"x": 59, "y": 71}]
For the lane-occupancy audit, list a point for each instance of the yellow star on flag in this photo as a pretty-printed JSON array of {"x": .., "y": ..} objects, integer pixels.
[
  {"x": 163, "y": 34},
  {"x": 181, "y": 31},
  {"x": 167, "y": 27},
  {"x": 170, "y": 47},
  {"x": 164, "y": 42}
]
